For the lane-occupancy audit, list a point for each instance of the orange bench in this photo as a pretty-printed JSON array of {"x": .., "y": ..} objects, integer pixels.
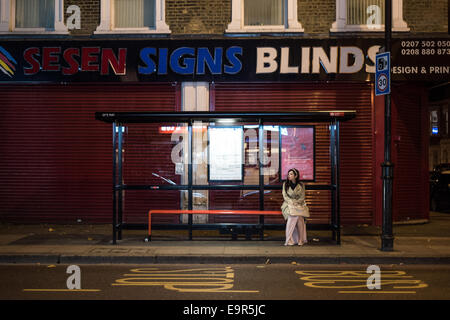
[{"x": 228, "y": 212}]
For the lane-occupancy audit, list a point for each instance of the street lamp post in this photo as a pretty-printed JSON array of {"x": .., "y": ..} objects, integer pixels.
[{"x": 387, "y": 238}]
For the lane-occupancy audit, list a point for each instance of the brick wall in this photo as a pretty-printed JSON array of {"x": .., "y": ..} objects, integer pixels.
[
  {"x": 198, "y": 16},
  {"x": 90, "y": 15},
  {"x": 426, "y": 16},
  {"x": 316, "y": 16}
]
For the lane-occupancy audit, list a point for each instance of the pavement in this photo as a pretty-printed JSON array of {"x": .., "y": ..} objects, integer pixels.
[{"x": 416, "y": 242}]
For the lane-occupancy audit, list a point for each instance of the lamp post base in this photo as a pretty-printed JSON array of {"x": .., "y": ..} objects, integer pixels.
[{"x": 387, "y": 243}]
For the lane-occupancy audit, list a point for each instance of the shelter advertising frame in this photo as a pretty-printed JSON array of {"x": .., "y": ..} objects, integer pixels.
[
  {"x": 120, "y": 119},
  {"x": 302, "y": 156},
  {"x": 237, "y": 159}
]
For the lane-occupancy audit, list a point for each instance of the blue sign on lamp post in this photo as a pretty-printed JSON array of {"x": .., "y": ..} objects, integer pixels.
[{"x": 382, "y": 73}]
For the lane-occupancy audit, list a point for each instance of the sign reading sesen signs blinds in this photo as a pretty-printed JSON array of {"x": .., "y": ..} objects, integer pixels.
[{"x": 292, "y": 59}]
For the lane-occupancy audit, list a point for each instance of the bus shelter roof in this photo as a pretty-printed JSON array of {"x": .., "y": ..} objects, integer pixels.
[{"x": 186, "y": 116}]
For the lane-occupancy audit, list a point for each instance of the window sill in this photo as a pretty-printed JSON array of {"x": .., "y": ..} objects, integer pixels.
[
  {"x": 365, "y": 28},
  {"x": 133, "y": 31},
  {"x": 266, "y": 29},
  {"x": 34, "y": 32}
]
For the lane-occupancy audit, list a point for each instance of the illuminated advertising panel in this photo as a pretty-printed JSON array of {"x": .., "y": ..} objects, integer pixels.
[
  {"x": 225, "y": 153},
  {"x": 297, "y": 151}
]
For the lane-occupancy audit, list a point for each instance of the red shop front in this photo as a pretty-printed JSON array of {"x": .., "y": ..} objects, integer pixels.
[
  {"x": 56, "y": 159},
  {"x": 55, "y": 163}
]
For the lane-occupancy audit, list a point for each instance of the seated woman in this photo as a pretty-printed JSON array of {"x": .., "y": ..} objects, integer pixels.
[{"x": 294, "y": 209}]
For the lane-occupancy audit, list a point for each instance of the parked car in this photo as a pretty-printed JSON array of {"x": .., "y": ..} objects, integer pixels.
[{"x": 440, "y": 188}]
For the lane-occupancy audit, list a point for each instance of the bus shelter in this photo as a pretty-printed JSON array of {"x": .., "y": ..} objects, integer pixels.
[{"x": 249, "y": 152}]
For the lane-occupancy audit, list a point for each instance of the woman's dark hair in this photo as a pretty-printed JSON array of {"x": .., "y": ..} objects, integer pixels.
[{"x": 297, "y": 179}]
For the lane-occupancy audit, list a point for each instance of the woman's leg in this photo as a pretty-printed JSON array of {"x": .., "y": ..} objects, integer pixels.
[
  {"x": 291, "y": 226},
  {"x": 301, "y": 227}
]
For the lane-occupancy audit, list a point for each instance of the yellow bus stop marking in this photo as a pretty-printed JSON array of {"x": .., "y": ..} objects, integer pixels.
[
  {"x": 184, "y": 280},
  {"x": 331, "y": 279}
]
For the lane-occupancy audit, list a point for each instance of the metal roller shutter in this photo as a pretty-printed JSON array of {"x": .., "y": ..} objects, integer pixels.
[
  {"x": 357, "y": 145},
  {"x": 56, "y": 159},
  {"x": 409, "y": 154}
]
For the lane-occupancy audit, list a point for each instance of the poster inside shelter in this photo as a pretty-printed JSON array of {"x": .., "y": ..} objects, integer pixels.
[
  {"x": 297, "y": 151},
  {"x": 225, "y": 153}
]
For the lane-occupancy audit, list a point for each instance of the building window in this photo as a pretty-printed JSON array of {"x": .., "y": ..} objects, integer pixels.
[
  {"x": 370, "y": 12},
  {"x": 132, "y": 16},
  {"x": 367, "y": 15},
  {"x": 263, "y": 13},
  {"x": 32, "y": 16},
  {"x": 264, "y": 16},
  {"x": 35, "y": 14}
]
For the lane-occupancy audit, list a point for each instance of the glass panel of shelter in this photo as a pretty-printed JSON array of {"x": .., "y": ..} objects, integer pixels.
[
  {"x": 224, "y": 153},
  {"x": 153, "y": 154},
  {"x": 158, "y": 156}
]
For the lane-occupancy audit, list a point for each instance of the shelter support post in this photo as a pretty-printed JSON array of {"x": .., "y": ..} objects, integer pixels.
[
  {"x": 114, "y": 217},
  {"x": 335, "y": 196},
  {"x": 337, "y": 191},
  {"x": 333, "y": 177},
  {"x": 117, "y": 182},
  {"x": 190, "y": 176},
  {"x": 120, "y": 182},
  {"x": 261, "y": 176},
  {"x": 334, "y": 162}
]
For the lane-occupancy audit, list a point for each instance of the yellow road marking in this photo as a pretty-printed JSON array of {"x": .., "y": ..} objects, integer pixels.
[
  {"x": 376, "y": 291},
  {"x": 149, "y": 281},
  {"x": 172, "y": 276},
  {"x": 349, "y": 279},
  {"x": 334, "y": 284},
  {"x": 184, "y": 280},
  {"x": 62, "y": 290},
  {"x": 205, "y": 270}
]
